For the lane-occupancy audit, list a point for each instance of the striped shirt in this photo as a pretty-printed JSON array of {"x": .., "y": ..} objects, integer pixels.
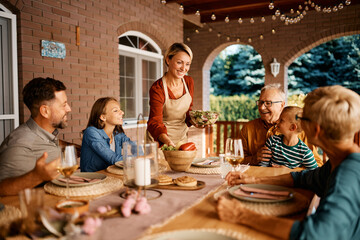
[{"x": 290, "y": 156}]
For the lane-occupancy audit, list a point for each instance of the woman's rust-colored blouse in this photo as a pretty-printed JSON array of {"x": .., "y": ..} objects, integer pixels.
[{"x": 157, "y": 100}]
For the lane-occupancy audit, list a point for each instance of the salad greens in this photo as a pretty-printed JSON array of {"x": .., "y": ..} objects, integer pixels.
[{"x": 203, "y": 117}]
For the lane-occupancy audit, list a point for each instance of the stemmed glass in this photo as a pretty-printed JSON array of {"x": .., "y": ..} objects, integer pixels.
[
  {"x": 234, "y": 152},
  {"x": 68, "y": 165}
]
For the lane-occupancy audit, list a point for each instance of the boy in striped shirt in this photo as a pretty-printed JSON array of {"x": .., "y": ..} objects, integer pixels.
[{"x": 287, "y": 149}]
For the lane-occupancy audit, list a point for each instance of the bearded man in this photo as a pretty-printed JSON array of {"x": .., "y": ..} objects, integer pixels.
[{"x": 27, "y": 147}]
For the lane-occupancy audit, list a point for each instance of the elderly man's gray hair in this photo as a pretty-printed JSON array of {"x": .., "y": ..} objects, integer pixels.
[{"x": 276, "y": 86}]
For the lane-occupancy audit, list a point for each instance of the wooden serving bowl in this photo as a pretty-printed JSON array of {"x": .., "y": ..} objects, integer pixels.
[
  {"x": 179, "y": 160},
  {"x": 72, "y": 206}
]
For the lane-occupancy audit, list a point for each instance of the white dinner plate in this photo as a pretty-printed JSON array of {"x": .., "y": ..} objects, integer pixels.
[
  {"x": 91, "y": 175},
  {"x": 192, "y": 234},
  {"x": 265, "y": 187},
  {"x": 196, "y": 162}
]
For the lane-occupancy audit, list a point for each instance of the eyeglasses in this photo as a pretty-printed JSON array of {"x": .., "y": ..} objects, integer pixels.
[
  {"x": 301, "y": 118},
  {"x": 267, "y": 103}
]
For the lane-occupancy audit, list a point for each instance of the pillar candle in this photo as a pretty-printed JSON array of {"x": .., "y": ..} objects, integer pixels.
[{"x": 142, "y": 172}]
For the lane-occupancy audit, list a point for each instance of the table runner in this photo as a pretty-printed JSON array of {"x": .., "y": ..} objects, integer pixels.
[{"x": 170, "y": 203}]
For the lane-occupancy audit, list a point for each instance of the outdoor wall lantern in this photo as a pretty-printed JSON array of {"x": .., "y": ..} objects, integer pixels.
[{"x": 275, "y": 67}]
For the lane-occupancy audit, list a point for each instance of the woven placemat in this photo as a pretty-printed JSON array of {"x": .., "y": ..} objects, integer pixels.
[
  {"x": 9, "y": 214},
  {"x": 206, "y": 171},
  {"x": 297, "y": 204},
  {"x": 108, "y": 185},
  {"x": 199, "y": 234},
  {"x": 115, "y": 170}
]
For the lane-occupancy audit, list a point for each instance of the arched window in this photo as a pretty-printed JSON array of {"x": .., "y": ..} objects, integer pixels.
[{"x": 140, "y": 66}]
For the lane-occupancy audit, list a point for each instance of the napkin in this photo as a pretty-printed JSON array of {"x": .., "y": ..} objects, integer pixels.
[
  {"x": 261, "y": 193},
  {"x": 208, "y": 162},
  {"x": 77, "y": 180}
]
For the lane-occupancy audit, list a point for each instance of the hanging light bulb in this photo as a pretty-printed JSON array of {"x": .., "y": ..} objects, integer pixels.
[
  {"x": 282, "y": 17},
  {"x": 271, "y": 5},
  {"x": 300, "y": 7},
  {"x": 163, "y": 2},
  {"x": 213, "y": 17},
  {"x": 238, "y": 40},
  {"x": 261, "y": 37},
  {"x": 197, "y": 31},
  {"x": 219, "y": 34},
  {"x": 262, "y": 19},
  {"x": 210, "y": 29},
  {"x": 181, "y": 8},
  {"x": 306, "y": 3},
  {"x": 252, "y": 20},
  {"x": 240, "y": 21},
  {"x": 249, "y": 40},
  {"x": 291, "y": 11},
  {"x": 227, "y": 20},
  {"x": 273, "y": 31},
  {"x": 335, "y": 9},
  {"x": 329, "y": 10},
  {"x": 188, "y": 39},
  {"x": 312, "y": 4},
  {"x": 304, "y": 12},
  {"x": 306, "y": 8},
  {"x": 347, "y": 2},
  {"x": 341, "y": 6},
  {"x": 273, "y": 17},
  {"x": 228, "y": 38},
  {"x": 197, "y": 13},
  {"x": 277, "y": 12},
  {"x": 324, "y": 10},
  {"x": 301, "y": 16}
]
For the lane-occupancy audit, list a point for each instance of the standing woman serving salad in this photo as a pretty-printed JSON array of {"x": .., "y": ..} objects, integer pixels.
[{"x": 171, "y": 98}]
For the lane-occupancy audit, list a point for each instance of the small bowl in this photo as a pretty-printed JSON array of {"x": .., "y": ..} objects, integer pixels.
[
  {"x": 203, "y": 118},
  {"x": 72, "y": 206},
  {"x": 179, "y": 160}
]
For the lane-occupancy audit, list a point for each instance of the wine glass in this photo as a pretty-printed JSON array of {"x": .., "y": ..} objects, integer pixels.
[
  {"x": 234, "y": 152},
  {"x": 68, "y": 165}
]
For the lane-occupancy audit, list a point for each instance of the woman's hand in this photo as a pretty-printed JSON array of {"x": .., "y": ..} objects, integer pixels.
[{"x": 197, "y": 125}]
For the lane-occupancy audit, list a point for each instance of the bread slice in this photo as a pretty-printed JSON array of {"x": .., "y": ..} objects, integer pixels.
[
  {"x": 186, "y": 181},
  {"x": 165, "y": 179}
]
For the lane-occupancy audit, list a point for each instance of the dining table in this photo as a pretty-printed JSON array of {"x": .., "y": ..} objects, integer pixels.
[{"x": 173, "y": 210}]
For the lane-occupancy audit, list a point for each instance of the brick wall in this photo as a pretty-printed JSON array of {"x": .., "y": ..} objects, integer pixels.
[
  {"x": 286, "y": 45},
  {"x": 90, "y": 70}
]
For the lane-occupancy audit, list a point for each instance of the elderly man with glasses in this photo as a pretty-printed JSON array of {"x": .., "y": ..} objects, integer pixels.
[{"x": 255, "y": 132}]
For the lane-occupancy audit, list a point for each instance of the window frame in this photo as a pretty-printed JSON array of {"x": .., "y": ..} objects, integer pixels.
[{"x": 139, "y": 55}]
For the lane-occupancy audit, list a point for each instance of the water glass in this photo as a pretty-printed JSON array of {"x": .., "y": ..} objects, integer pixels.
[
  {"x": 225, "y": 166},
  {"x": 31, "y": 202}
]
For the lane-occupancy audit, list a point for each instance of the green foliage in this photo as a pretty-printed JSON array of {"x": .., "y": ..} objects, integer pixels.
[
  {"x": 234, "y": 108},
  {"x": 242, "y": 72}
]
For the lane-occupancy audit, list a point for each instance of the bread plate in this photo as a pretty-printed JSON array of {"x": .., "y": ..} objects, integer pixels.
[
  {"x": 213, "y": 162},
  {"x": 89, "y": 175},
  {"x": 199, "y": 185}
]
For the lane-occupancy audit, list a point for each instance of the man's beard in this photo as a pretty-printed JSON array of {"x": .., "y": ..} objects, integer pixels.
[{"x": 60, "y": 125}]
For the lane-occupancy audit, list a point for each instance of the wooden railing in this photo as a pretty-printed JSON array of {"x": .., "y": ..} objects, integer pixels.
[{"x": 217, "y": 134}]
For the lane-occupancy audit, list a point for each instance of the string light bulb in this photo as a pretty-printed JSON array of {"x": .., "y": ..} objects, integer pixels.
[
  {"x": 228, "y": 38},
  {"x": 240, "y": 20},
  {"x": 291, "y": 11},
  {"x": 197, "y": 13},
  {"x": 163, "y": 2},
  {"x": 277, "y": 12},
  {"x": 210, "y": 29},
  {"x": 347, "y": 2},
  {"x": 249, "y": 40},
  {"x": 213, "y": 17},
  {"x": 238, "y": 40},
  {"x": 282, "y": 17},
  {"x": 273, "y": 31},
  {"x": 273, "y": 17},
  {"x": 197, "y": 31},
  {"x": 181, "y": 8},
  {"x": 188, "y": 39},
  {"x": 219, "y": 34},
  {"x": 261, "y": 37},
  {"x": 335, "y": 9},
  {"x": 341, "y": 6},
  {"x": 227, "y": 20},
  {"x": 271, "y": 5},
  {"x": 262, "y": 19},
  {"x": 252, "y": 20}
]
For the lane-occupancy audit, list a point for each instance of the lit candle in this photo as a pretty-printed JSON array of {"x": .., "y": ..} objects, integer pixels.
[{"x": 142, "y": 172}]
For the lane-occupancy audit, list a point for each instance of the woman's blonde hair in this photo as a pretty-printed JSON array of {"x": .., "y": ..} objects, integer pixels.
[
  {"x": 336, "y": 109},
  {"x": 175, "y": 48}
]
